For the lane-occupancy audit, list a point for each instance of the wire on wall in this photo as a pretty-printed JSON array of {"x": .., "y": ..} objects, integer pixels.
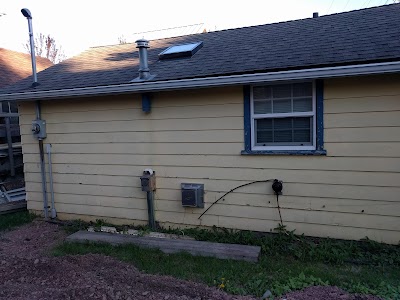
[{"x": 249, "y": 183}]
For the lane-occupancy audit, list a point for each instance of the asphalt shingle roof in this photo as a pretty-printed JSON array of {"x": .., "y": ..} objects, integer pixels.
[
  {"x": 363, "y": 36},
  {"x": 15, "y": 66}
]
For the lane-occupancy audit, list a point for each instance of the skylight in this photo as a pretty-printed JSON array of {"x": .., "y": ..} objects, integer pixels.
[{"x": 180, "y": 50}]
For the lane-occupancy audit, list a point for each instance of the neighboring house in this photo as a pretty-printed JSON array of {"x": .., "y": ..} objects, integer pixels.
[
  {"x": 14, "y": 66},
  {"x": 314, "y": 103}
]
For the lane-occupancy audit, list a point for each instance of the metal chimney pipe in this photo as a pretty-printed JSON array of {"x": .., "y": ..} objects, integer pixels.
[
  {"x": 27, "y": 14},
  {"x": 315, "y": 15},
  {"x": 144, "y": 71}
]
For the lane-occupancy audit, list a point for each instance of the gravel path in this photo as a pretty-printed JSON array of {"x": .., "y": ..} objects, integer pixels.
[{"x": 28, "y": 271}]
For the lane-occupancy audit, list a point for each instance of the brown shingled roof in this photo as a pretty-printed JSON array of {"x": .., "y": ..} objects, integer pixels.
[{"x": 15, "y": 66}]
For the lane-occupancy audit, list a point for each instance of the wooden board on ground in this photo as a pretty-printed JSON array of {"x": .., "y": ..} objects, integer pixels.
[
  {"x": 12, "y": 207},
  {"x": 199, "y": 248}
]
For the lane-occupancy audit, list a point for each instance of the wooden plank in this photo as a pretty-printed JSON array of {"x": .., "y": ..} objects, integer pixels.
[
  {"x": 197, "y": 248},
  {"x": 12, "y": 207},
  {"x": 332, "y": 231},
  {"x": 212, "y": 96},
  {"x": 134, "y": 202},
  {"x": 365, "y": 207},
  {"x": 215, "y": 188},
  {"x": 309, "y": 216},
  {"x": 363, "y": 149},
  {"x": 360, "y": 105},
  {"x": 184, "y": 112},
  {"x": 368, "y": 134},
  {"x": 205, "y": 136},
  {"x": 199, "y": 173},
  {"x": 337, "y": 191},
  {"x": 97, "y": 211},
  {"x": 226, "y": 123},
  {"x": 368, "y": 119},
  {"x": 144, "y": 148},
  {"x": 226, "y": 161},
  {"x": 93, "y": 190},
  {"x": 380, "y": 85}
]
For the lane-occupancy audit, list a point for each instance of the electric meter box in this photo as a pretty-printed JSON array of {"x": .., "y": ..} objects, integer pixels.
[
  {"x": 192, "y": 194},
  {"x": 39, "y": 129}
]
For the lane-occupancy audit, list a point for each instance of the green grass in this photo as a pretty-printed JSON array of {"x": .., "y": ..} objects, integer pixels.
[
  {"x": 9, "y": 221},
  {"x": 288, "y": 262}
]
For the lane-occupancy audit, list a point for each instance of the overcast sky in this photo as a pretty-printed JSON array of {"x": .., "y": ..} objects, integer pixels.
[{"x": 79, "y": 24}]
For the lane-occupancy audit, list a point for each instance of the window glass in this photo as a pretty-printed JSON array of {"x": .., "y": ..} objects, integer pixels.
[
  {"x": 302, "y": 104},
  {"x": 263, "y": 107},
  {"x": 283, "y": 115}
]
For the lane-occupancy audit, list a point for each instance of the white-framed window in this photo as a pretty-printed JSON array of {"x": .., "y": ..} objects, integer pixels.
[{"x": 283, "y": 116}]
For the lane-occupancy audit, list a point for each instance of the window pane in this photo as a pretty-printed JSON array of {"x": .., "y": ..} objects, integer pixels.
[
  {"x": 302, "y": 123},
  {"x": 302, "y": 130},
  {"x": 263, "y": 131},
  {"x": 262, "y": 107},
  {"x": 282, "y": 123},
  {"x": 302, "y": 89},
  {"x": 282, "y": 106},
  {"x": 264, "y": 137},
  {"x": 264, "y": 124},
  {"x": 302, "y": 136},
  {"x": 283, "y": 136},
  {"x": 302, "y": 104},
  {"x": 282, "y": 91},
  {"x": 262, "y": 92},
  {"x": 284, "y": 131}
]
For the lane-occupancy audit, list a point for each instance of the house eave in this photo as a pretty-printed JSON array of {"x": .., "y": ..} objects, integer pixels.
[{"x": 154, "y": 86}]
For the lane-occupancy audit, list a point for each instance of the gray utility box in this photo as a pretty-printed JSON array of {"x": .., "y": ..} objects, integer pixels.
[
  {"x": 39, "y": 129},
  {"x": 192, "y": 194}
]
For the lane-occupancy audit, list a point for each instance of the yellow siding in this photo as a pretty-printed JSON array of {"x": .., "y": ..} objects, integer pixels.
[{"x": 102, "y": 146}]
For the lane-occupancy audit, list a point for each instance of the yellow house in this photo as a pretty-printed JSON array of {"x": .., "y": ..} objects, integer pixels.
[{"x": 313, "y": 103}]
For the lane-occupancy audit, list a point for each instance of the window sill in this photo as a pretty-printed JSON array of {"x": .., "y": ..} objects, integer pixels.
[{"x": 284, "y": 152}]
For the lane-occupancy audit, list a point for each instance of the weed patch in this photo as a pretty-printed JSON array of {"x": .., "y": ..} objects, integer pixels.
[
  {"x": 9, "y": 221},
  {"x": 300, "y": 247},
  {"x": 288, "y": 261},
  {"x": 280, "y": 274}
]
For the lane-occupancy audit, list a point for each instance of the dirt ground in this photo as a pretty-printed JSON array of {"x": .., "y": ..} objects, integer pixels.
[{"x": 28, "y": 271}]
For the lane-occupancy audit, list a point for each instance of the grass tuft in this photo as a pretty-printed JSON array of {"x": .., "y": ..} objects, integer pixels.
[{"x": 9, "y": 221}]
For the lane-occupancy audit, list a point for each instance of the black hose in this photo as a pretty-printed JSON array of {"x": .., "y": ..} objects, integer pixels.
[
  {"x": 279, "y": 208},
  {"x": 215, "y": 202}
]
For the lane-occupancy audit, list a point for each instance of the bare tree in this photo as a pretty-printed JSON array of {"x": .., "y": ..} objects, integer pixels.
[
  {"x": 122, "y": 40},
  {"x": 45, "y": 46}
]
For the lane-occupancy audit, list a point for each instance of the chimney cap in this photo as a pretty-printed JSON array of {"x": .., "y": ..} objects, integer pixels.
[{"x": 142, "y": 43}]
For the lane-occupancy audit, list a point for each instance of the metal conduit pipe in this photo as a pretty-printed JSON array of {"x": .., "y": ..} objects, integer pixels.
[
  {"x": 150, "y": 210},
  {"x": 42, "y": 166},
  {"x": 53, "y": 207},
  {"x": 38, "y": 128}
]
